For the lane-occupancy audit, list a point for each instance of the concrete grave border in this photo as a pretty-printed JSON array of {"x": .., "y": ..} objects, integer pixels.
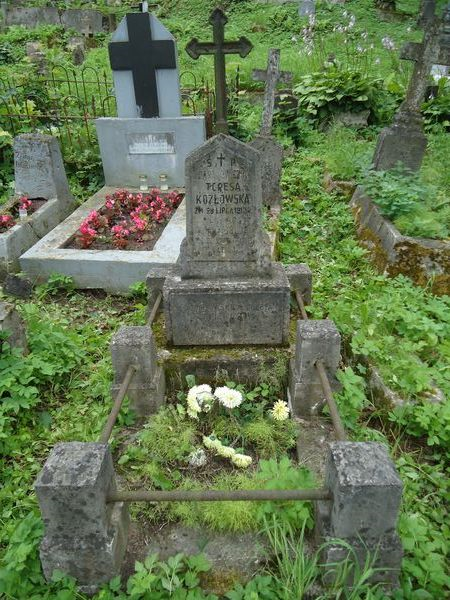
[
  {"x": 420, "y": 259},
  {"x": 111, "y": 270},
  {"x": 17, "y": 240}
]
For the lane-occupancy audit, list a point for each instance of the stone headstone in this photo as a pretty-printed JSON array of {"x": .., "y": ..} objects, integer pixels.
[
  {"x": 37, "y": 57},
  {"x": 77, "y": 46},
  {"x": 39, "y": 169},
  {"x": 271, "y": 158},
  {"x": 12, "y": 325},
  {"x": 226, "y": 291},
  {"x": 404, "y": 141},
  {"x": 307, "y": 8},
  {"x": 224, "y": 234},
  {"x": 143, "y": 58}
]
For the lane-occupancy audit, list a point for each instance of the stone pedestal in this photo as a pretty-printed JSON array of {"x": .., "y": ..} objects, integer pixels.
[
  {"x": 85, "y": 537},
  {"x": 367, "y": 493},
  {"x": 131, "y": 147},
  {"x": 404, "y": 141},
  {"x": 220, "y": 312},
  {"x": 315, "y": 340},
  {"x": 135, "y": 345}
]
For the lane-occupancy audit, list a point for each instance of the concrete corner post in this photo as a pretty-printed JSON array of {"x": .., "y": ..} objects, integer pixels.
[
  {"x": 318, "y": 339},
  {"x": 136, "y": 345},
  {"x": 300, "y": 280},
  {"x": 367, "y": 492},
  {"x": 84, "y": 536},
  {"x": 12, "y": 325}
]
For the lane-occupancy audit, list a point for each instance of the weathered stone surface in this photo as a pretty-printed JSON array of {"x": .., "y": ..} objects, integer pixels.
[
  {"x": 135, "y": 345},
  {"x": 318, "y": 339},
  {"x": 353, "y": 119},
  {"x": 18, "y": 285},
  {"x": 404, "y": 142},
  {"x": 300, "y": 279},
  {"x": 224, "y": 234},
  {"x": 12, "y": 325},
  {"x": 211, "y": 312},
  {"x": 271, "y": 163},
  {"x": 425, "y": 261},
  {"x": 130, "y": 147},
  {"x": 39, "y": 170},
  {"x": 84, "y": 536},
  {"x": 77, "y": 45},
  {"x": 367, "y": 492},
  {"x": 306, "y": 8},
  {"x": 83, "y": 20}
]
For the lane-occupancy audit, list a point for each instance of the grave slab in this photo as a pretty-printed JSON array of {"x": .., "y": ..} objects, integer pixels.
[
  {"x": 111, "y": 270},
  {"x": 131, "y": 147}
]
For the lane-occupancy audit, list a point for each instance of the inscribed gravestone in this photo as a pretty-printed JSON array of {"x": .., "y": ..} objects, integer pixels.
[
  {"x": 226, "y": 291},
  {"x": 224, "y": 220},
  {"x": 145, "y": 72}
]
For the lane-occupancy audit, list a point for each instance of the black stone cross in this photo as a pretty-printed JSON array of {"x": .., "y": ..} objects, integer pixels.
[
  {"x": 142, "y": 56},
  {"x": 219, "y": 47},
  {"x": 272, "y": 75}
]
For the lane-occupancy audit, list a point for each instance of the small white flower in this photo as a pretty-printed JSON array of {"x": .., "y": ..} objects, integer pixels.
[
  {"x": 280, "y": 411},
  {"x": 199, "y": 399},
  {"x": 241, "y": 460},
  {"x": 197, "y": 458},
  {"x": 228, "y": 397}
]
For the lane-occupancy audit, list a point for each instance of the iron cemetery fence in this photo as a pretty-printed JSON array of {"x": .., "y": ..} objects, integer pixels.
[{"x": 65, "y": 102}]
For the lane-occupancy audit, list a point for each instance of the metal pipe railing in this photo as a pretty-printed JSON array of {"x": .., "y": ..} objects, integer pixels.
[
  {"x": 154, "y": 310},
  {"x": 112, "y": 418},
  {"x": 218, "y": 495},
  {"x": 328, "y": 393}
]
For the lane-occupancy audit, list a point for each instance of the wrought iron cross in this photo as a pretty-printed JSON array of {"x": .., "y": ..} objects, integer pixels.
[
  {"x": 219, "y": 47},
  {"x": 272, "y": 75},
  {"x": 142, "y": 56},
  {"x": 434, "y": 49}
]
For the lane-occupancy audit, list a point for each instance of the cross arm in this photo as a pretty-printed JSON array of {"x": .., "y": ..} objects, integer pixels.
[
  {"x": 241, "y": 47},
  {"x": 261, "y": 75},
  {"x": 413, "y": 51}
]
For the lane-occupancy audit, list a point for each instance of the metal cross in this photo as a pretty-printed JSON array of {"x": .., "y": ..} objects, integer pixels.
[
  {"x": 142, "y": 56},
  {"x": 219, "y": 47},
  {"x": 272, "y": 75},
  {"x": 434, "y": 49}
]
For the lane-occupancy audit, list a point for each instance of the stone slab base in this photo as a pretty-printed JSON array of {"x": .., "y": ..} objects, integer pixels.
[
  {"x": 146, "y": 399},
  {"x": 398, "y": 143},
  {"x": 233, "y": 312}
]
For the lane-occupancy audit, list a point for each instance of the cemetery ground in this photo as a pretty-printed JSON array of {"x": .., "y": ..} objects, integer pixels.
[{"x": 60, "y": 391}]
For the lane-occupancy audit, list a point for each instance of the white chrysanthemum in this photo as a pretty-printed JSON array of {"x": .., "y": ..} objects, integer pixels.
[
  {"x": 197, "y": 458},
  {"x": 199, "y": 398},
  {"x": 241, "y": 460},
  {"x": 226, "y": 452},
  {"x": 280, "y": 411},
  {"x": 228, "y": 397}
]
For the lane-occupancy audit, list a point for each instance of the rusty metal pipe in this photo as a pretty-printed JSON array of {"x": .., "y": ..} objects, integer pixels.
[
  {"x": 107, "y": 430},
  {"x": 154, "y": 310},
  {"x": 218, "y": 495}
]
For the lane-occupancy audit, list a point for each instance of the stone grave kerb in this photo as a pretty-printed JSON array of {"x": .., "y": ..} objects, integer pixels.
[{"x": 224, "y": 231}]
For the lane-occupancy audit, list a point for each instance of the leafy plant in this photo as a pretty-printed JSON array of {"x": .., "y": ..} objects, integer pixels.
[
  {"x": 324, "y": 93},
  {"x": 56, "y": 283}
]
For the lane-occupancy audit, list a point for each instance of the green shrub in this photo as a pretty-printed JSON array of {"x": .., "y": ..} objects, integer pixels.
[
  {"x": 271, "y": 438},
  {"x": 324, "y": 93}
]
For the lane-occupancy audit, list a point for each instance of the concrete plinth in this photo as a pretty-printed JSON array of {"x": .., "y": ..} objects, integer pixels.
[{"x": 222, "y": 312}]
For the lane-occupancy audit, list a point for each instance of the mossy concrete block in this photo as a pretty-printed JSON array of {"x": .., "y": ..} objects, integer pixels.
[
  {"x": 136, "y": 346},
  {"x": 85, "y": 537},
  {"x": 316, "y": 339},
  {"x": 300, "y": 280}
]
